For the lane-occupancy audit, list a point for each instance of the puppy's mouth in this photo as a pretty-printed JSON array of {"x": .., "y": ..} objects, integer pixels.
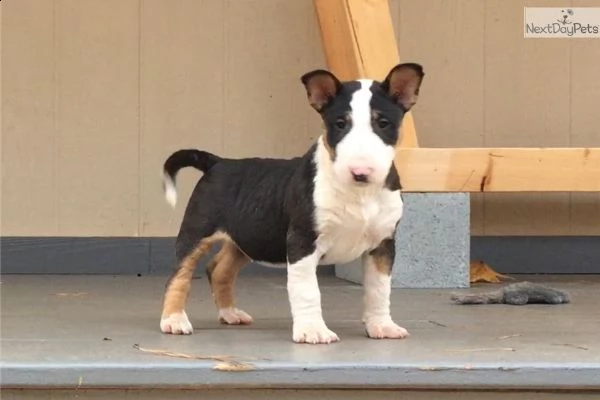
[{"x": 360, "y": 178}]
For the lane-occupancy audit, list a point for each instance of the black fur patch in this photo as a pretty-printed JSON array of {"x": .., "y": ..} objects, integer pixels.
[
  {"x": 240, "y": 197},
  {"x": 387, "y": 116},
  {"x": 392, "y": 181}
]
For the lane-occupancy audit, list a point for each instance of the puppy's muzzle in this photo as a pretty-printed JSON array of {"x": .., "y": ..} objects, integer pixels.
[{"x": 361, "y": 174}]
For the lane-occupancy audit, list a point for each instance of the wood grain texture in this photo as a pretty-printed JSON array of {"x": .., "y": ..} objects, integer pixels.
[
  {"x": 499, "y": 170},
  {"x": 359, "y": 41}
]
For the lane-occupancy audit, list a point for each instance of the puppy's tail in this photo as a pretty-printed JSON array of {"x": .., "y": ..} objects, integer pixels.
[{"x": 201, "y": 160}]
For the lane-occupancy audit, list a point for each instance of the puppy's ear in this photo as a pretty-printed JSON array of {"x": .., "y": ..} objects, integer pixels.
[
  {"x": 403, "y": 83},
  {"x": 321, "y": 86}
]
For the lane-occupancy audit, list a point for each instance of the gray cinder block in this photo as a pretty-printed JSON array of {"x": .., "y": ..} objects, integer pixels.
[{"x": 432, "y": 243}]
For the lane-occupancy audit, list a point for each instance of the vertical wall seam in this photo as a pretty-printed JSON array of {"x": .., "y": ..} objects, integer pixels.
[
  {"x": 570, "y": 135},
  {"x": 140, "y": 224},
  {"x": 55, "y": 122},
  {"x": 224, "y": 71},
  {"x": 484, "y": 108}
]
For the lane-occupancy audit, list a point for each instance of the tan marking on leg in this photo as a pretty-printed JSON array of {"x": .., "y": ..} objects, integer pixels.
[
  {"x": 383, "y": 256},
  {"x": 223, "y": 273},
  {"x": 383, "y": 264},
  {"x": 179, "y": 287}
]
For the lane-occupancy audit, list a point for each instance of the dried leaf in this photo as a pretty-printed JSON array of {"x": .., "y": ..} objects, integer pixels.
[
  {"x": 482, "y": 349},
  {"x": 482, "y": 272}
]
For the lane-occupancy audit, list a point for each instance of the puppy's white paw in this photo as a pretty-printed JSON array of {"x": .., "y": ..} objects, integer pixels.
[
  {"x": 385, "y": 329},
  {"x": 176, "y": 324},
  {"x": 313, "y": 333},
  {"x": 234, "y": 316}
]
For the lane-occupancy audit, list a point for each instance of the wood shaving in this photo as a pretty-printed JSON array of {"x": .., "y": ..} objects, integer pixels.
[{"x": 227, "y": 362}]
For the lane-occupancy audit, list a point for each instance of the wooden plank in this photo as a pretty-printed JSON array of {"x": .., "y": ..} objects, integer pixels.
[
  {"x": 359, "y": 42},
  {"x": 499, "y": 169}
]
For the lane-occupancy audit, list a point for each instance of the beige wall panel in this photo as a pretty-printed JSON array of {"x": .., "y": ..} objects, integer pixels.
[
  {"x": 182, "y": 79},
  {"x": 527, "y": 84},
  {"x": 97, "y": 117},
  {"x": 269, "y": 44},
  {"x": 585, "y": 123},
  {"x": 313, "y": 58},
  {"x": 1, "y": 126},
  {"x": 97, "y": 94},
  {"x": 29, "y": 204},
  {"x": 223, "y": 77},
  {"x": 447, "y": 37}
]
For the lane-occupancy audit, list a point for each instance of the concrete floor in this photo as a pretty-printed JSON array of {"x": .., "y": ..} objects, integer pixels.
[{"x": 79, "y": 332}]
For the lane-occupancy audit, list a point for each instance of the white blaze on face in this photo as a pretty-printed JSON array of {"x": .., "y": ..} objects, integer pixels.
[{"x": 361, "y": 148}]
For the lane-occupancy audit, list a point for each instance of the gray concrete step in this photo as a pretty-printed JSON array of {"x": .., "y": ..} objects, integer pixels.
[{"x": 78, "y": 332}]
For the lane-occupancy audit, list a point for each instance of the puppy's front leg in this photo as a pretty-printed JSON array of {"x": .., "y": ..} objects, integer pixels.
[
  {"x": 377, "y": 282},
  {"x": 304, "y": 294}
]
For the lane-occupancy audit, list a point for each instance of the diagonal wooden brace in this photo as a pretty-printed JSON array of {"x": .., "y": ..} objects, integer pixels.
[{"x": 359, "y": 42}]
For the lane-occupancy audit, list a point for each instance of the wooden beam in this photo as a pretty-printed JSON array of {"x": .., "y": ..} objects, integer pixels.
[
  {"x": 499, "y": 169},
  {"x": 359, "y": 42}
]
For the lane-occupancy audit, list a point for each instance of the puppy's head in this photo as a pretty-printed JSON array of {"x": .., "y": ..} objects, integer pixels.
[{"x": 362, "y": 119}]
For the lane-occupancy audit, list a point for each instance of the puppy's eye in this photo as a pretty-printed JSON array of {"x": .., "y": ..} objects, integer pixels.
[
  {"x": 383, "y": 123},
  {"x": 341, "y": 123}
]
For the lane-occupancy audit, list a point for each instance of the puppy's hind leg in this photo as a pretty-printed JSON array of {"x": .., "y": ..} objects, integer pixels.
[
  {"x": 190, "y": 247},
  {"x": 222, "y": 272}
]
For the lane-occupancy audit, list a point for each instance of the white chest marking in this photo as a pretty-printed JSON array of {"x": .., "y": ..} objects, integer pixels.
[
  {"x": 351, "y": 220},
  {"x": 347, "y": 229}
]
